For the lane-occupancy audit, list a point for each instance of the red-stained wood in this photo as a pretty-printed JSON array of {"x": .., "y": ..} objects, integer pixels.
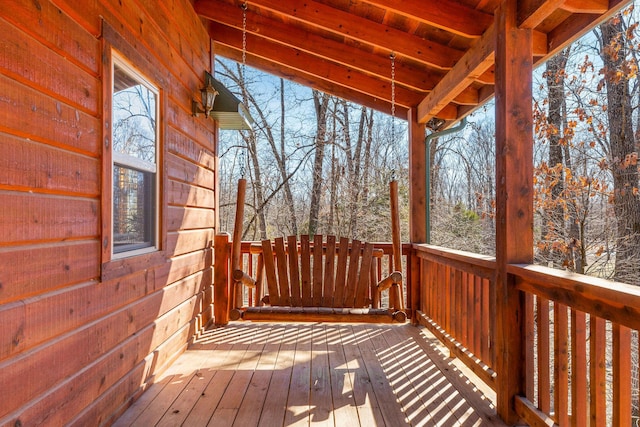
[
  {"x": 407, "y": 74},
  {"x": 294, "y": 271},
  {"x": 366, "y": 31},
  {"x": 579, "y": 395},
  {"x": 561, "y": 364},
  {"x": 231, "y": 38},
  {"x": 188, "y": 218},
  {"x": 317, "y": 270},
  {"x": 329, "y": 272},
  {"x": 270, "y": 272},
  {"x": 543, "y": 368},
  {"x": 182, "y": 242},
  {"x": 621, "y": 361},
  {"x": 529, "y": 346},
  {"x": 476, "y": 325},
  {"x": 597, "y": 372},
  {"x": 417, "y": 180},
  {"x": 514, "y": 197},
  {"x": 71, "y": 41},
  {"x": 341, "y": 272},
  {"x": 221, "y": 280},
  {"x": 352, "y": 275},
  {"x": 362, "y": 286},
  {"x": 312, "y": 80},
  {"x": 260, "y": 281},
  {"x": 282, "y": 273},
  {"x": 305, "y": 271},
  {"x": 238, "y": 226},
  {"x": 187, "y": 170}
]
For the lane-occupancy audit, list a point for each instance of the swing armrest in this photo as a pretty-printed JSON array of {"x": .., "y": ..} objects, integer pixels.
[
  {"x": 390, "y": 280},
  {"x": 244, "y": 278}
]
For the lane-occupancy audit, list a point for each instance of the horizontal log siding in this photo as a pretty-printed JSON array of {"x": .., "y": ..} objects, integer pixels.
[{"x": 78, "y": 341}]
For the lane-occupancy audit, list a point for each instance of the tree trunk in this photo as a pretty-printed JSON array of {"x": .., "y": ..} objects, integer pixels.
[
  {"x": 553, "y": 218},
  {"x": 622, "y": 155},
  {"x": 288, "y": 195},
  {"x": 321, "y": 102}
]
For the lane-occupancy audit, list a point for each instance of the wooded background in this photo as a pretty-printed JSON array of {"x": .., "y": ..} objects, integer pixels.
[{"x": 319, "y": 164}]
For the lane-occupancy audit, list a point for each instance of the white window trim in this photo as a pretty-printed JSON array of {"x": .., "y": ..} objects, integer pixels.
[{"x": 135, "y": 163}]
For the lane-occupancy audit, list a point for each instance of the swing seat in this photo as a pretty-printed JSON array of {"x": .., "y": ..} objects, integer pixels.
[{"x": 332, "y": 280}]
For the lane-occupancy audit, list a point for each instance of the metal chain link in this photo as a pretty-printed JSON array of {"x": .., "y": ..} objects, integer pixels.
[
  {"x": 393, "y": 104},
  {"x": 244, "y": 35},
  {"x": 243, "y": 157}
]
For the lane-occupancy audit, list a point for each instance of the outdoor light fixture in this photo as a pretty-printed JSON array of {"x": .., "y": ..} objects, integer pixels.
[
  {"x": 229, "y": 112},
  {"x": 207, "y": 98}
]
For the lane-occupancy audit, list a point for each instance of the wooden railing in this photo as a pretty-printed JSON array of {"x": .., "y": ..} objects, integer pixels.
[
  {"x": 580, "y": 335},
  {"x": 456, "y": 304}
]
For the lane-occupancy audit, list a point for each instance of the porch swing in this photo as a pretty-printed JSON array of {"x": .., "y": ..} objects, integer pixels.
[{"x": 317, "y": 278}]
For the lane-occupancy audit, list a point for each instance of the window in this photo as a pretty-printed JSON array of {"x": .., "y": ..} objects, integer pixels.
[{"x": 134, "y": 156}]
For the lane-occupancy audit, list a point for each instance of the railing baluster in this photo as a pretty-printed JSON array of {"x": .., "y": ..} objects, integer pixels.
[
  {"x": 477, "y": 316},
  {"x": 578, "y": 369},
  {"x": 621, "y": 375},
  {"x": 544, "y": 389},
  {"x": 529, "y": 346},
  {"x": 561, "y": 365}
]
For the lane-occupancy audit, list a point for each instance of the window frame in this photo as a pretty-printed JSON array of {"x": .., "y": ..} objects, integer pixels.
[
  {"x": 114, "y": 44},
  {"x": 134, "y": 164}
]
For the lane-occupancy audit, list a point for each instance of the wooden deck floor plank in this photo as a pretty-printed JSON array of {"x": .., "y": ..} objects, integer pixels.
[
  {"x": 387, "y": 401},
  {"x": 421, "y": 399},
  {"x": 234, "y": 343},
  {"x": 369, "y": 412},
  {"x": 300, "y": 388},
  {"x": 342, "y": 392},
  {"x": 275, "y": 404},
  {"x": 229, "y": 405},
  {"x": 134, "y": 412},
  {"x": 478, "y": 397},
  {"x": 252, "y": 374},
  {"x": 320, "y": 399},
  {"x": 253, "y": 402},
  {"x": 210, "y": 397}
]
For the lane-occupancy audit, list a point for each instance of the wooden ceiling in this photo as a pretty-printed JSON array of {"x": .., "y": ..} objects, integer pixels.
[{"x": 444, "y": 49}]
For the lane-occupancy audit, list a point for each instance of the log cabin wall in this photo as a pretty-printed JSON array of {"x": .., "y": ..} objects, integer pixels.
[{"x": 82, "y": 335}]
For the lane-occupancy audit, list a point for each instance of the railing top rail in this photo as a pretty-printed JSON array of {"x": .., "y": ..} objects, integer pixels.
[
  {"x": 482, "y": 265},
  {"x": 615, "y": 301}
]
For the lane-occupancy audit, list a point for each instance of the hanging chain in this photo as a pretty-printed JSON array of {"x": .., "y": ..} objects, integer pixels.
[
  {"x": 393, "y": 104},
  {"x": 244, "y": 36},
  {"x": 243, "y": 156},
  {"x": 393, "y": 84}
]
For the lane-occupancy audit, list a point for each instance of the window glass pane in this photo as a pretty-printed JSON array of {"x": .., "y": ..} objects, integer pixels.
[
  {"x": 133, "y": 216},
  {"x": 134, "y": 117}
]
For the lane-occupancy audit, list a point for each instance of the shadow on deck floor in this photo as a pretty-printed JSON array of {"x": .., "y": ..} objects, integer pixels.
[{"x": 290, "y": 374}]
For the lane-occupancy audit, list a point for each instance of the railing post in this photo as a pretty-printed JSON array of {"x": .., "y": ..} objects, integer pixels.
[
  {"x": 514, "y": 198},
  {"x": 221, "y": 279}
]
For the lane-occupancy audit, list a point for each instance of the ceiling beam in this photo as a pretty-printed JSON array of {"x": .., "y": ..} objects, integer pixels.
[
  {"x": 473, "y": 64},
  {"x": 447, "y": 15},
  {"x": 406, "y": 74},
  {"x": 532, "y": 13},
  {"x": 578, "y": 24},
  {"x": 363, "y": 30},
  {"x": 303, "y": 61},
  {"x": 310, "y": 80}
]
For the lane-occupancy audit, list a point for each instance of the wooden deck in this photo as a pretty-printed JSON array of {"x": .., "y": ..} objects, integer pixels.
[{"x": 285, "y": 374}]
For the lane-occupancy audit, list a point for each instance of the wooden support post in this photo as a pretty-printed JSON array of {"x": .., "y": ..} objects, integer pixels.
[
  {"x": 236, "y": 256},
  {"x": 396, "y": 244},
  {"x": 417, "y": 179},
  {"x": 417, "y": 201},
  {"x": 514, "y": 198},
  {"x": 221, "y": 279}
]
